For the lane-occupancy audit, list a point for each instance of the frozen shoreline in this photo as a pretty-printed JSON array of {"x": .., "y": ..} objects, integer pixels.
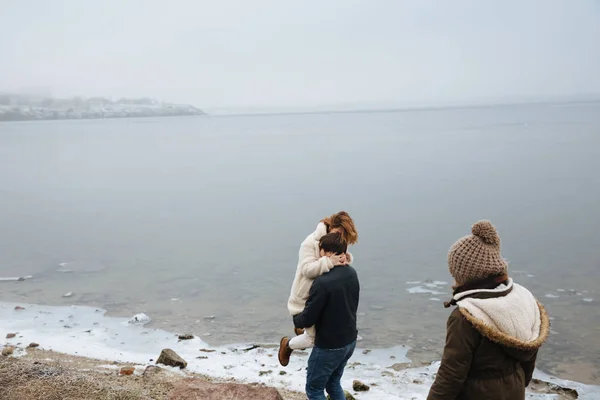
[{"x": 85, "y": 331}]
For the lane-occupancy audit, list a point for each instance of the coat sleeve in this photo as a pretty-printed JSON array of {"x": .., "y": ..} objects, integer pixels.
[
  {"x": 311, "y": 265},
  {"x": 461, "y": 342},
  {"x": 317, "y": 299},
  {"x": 528, "y": 367}
]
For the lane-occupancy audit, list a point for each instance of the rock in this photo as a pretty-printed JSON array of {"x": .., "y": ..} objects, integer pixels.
[
  {"x": 7, "y": 351},
  {"x": 348, "y": 396},
  {"x": 207, "y": 350},
  {"x": 127, "y": 371},
  {"x": 254, "y": 346},
  {"x": 152, "y": 370},
  {"x": 33, "y": 345},
  {"x": 263, "y": 373},
  {"x": 193, "y": 389},
  {"x": 547, "y": 387},
  {"x": 186, "y": 336},
  {"x": 169, "y": 357},
  {"x": 400, "y": 366},
  {"x": 10, "y": 335},
  {"x": 19, "y": 308},
  {"x": 358, "y": 386},
  {"x": 282, "y": 373},
  {"x": 202, "y": 358}
]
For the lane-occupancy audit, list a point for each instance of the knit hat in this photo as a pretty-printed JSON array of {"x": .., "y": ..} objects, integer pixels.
[{"x": 477, "y": 256}]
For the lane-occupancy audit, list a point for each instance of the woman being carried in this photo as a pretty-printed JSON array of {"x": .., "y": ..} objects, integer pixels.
[{"x": 310, "y": 266}]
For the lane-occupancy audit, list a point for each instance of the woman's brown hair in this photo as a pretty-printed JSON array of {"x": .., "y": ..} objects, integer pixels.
[{"x": 342, "y": 220}]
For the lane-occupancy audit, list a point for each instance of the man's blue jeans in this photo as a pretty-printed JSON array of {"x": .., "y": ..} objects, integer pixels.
[{"x": 325, "y": 370}]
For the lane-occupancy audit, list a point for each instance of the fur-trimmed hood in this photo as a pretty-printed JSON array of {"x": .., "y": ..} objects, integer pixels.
[{"x": 508, "y": 315}]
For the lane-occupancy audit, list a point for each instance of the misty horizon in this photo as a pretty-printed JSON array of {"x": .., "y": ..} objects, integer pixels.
[{"x": 269, "y": 55}]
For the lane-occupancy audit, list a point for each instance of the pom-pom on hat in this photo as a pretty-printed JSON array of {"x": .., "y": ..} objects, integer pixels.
[{"x": 477, "y": 256}]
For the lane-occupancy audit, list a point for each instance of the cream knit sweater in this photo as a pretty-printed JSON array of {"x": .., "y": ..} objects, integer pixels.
[{"x": 310, "y": 266}]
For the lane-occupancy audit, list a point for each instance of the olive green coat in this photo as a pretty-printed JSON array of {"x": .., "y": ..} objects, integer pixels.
[{"x": 483, "y": 363}]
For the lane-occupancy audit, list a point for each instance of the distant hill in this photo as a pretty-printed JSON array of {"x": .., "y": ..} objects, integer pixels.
[{"x": 17, "y": 107}]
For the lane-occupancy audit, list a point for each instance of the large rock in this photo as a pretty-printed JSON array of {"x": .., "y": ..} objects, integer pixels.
[
  {"x": 7, "y": 351},
  {"x": 170, "y": 358},
  {"x": 196, "y": 389}
]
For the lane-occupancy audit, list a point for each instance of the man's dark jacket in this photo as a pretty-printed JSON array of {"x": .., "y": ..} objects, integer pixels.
[{"x": 331, "y": 308}]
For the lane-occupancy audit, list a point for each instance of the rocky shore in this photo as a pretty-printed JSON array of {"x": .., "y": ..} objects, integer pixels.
[
  {"x": 141, "y": 362},
  {"x": 28, "y": 108},
  {"x": 43, "y": 375}
]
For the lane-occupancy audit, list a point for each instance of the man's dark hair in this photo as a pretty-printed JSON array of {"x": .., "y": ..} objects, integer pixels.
[{"x": 333, "y": 242}]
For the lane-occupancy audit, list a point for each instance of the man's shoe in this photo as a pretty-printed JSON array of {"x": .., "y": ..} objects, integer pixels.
[
  {"x": 298, "y": 331},
  {"x": 284, "y": 351}
]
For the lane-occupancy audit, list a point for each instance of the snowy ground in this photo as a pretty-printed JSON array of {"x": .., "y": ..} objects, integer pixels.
[{"x": 85, "y": 331}]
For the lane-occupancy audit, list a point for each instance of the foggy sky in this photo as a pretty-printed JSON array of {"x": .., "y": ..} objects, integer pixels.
[{"x": 277, "y": 53}]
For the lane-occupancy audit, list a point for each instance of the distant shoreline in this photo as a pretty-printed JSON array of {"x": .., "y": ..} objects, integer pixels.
[
  {"x": 30, "y": 108},
  {"x": 41, "y": 115},
  {"x": 100, "y": 118}
]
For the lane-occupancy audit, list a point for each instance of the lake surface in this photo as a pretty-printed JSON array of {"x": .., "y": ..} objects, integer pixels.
[{"x": 189, "y": 218}]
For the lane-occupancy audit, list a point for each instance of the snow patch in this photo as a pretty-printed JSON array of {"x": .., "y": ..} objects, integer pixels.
[
  {"x": 421, "y": 289},
  {"x": 139, "y": 319},
  {"x": 16, "y": 278}
]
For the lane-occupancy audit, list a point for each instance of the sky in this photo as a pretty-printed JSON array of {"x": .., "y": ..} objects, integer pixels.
[{"x": 275, "y": 54}]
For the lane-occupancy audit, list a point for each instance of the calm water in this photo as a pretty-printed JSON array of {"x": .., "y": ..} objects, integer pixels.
[{"x": 191, "y": 217}]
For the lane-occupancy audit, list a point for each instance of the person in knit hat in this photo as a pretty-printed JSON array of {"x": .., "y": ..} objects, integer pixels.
[{"x": 494, "y": 334}]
